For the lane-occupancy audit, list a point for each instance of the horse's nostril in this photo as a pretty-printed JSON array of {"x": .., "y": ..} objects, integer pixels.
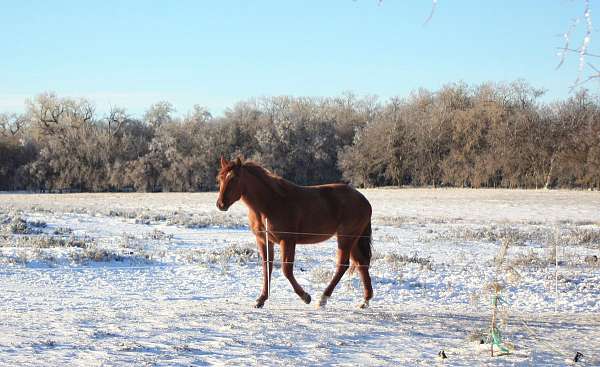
[{"x": 221, "y": 205}]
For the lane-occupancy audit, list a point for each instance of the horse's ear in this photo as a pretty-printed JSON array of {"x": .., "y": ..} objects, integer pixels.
[
  {"x": 224, "y": 162},
  {"x": 238, "y": 161}
]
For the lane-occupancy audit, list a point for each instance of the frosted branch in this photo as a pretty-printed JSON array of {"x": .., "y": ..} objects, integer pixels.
[{"x": 433, "y": 6}]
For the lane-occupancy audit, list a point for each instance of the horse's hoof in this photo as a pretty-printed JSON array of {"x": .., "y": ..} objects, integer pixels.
[
  {"x": 306, "y": 298},
  {"x": 364, "y": 305},
  {"x": 260, "y": 302},
  {"x": 323, "y": 301}
]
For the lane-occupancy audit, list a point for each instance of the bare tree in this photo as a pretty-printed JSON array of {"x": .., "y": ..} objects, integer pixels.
[
  {"x": 11, "y": 124},
  {"x": 159, "y": 114}
]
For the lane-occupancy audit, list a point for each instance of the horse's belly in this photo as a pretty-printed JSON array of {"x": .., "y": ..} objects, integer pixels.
[{"x": 314, "y": 238}]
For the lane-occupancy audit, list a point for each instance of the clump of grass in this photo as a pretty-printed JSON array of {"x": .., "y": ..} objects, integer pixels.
[
  {"x": 159, "y": 235},
  {"x": 103, "y": 255},
  {"x": 399, "y": 220},
  {"x": 321, "y": 275},
  {"x": 177, "y": 218},
  {"x": 477, "y": 335},
  {"x": 37, "y": 224},
  {"x": 592, "y": 260},
  {"x": 504, "y": 234},
  {"x": 43, "y": 241},
  {"x": 391, "y": 221},
  {"x": 398, "y": 261},
  {"x": 62, "y": 231},
  {"x": 129, "y": 241},
  {"x": 194, "y": 221},
  {"x": 529, "y": 259},
  {"x": 130, "y": 214},
  {"x": 582, "y": 237},
  {"x": 79, "y": 256},
  {"x": 585, "y": 223},
  {"x": 18, "y": 225},
  {"x": 235, "y": 253},
  {"x": 150, "y": 218},
  {"x": 100, "y": 255},
  {"x": 516, "y": 236}
]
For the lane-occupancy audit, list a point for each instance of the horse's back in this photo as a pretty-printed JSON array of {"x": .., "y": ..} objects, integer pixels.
[{"x": 344, "y": 200}]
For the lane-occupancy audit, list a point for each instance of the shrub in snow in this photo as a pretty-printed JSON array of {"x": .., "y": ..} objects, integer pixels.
[
  {"x": 159, "y": 235},
  {"x": 235, "y": 253},
  {"x": 44, "y": 241},
  {"x": 321, "y": 275},
  {"x": 19, "y": 226},
  {"x": 398, "y": 261},
  {"x": 592, "y": 260}
]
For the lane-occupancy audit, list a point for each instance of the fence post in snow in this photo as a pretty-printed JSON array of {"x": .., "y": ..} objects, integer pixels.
[
  {"x": 556, "y": 274},
  {"x": 268, "y": 258}
]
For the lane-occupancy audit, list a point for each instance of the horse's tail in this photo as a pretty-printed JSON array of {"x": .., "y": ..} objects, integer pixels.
[{"x": 364, "y": 249}]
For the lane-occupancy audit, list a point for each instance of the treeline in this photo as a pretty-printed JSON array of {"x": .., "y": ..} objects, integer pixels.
[{"x": 490, "y": 135}]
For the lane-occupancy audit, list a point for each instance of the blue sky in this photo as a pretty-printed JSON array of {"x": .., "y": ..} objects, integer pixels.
[{"x": 215, "y": 53}]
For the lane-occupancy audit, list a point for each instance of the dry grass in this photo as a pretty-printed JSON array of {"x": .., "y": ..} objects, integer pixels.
[
  {"x": 397, "y": 262},
  {"x": 175, "y": 218},
  {"x": 77, "y": 256},
  {"x": 321, "y": 275},
  {"x": 493, "y": 233},
  {"x": 236, "y": 253},
  {"x": 43, "y": 241},
  {"x": 583, "y": 236},
  {"x": 99, "y": 255}
]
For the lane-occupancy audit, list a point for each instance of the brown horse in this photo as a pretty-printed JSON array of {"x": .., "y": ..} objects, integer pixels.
[{"x": 300, "y": 215}]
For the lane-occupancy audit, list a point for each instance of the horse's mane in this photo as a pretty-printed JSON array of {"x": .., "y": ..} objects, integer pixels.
[{"x": 275, "y": 182}]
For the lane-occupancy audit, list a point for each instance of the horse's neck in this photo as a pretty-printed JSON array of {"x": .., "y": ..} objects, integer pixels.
[{"x": 261, "y": 197}]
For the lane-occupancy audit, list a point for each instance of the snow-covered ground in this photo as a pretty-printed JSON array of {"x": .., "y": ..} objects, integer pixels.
[{"x": 166, "y": 279}]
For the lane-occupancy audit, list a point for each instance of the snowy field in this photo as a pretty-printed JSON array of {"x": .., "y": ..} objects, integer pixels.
[{"x": 167, "y": 279}]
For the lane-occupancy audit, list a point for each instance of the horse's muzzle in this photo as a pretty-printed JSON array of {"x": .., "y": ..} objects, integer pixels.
[{"x": 221, "y": 205}]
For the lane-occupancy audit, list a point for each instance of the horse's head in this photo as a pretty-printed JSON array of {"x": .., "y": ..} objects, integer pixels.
[{"x": 230, "y": 185}]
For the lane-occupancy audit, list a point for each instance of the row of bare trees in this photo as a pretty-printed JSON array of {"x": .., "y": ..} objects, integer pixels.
[
  {"x": 484, "y": 136},
  {"x": 491, "y": 135}
]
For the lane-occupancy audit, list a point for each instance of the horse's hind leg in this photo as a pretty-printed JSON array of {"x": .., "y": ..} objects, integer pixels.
[
  {"x": 288, "y": 252},
  {"x": 366, "y": 280},
  {"x": 363, "y": 269},
  {"x": 343, "y": 262}
]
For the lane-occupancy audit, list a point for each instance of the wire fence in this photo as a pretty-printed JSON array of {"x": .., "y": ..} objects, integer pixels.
[{"x": 198, "y": 240}]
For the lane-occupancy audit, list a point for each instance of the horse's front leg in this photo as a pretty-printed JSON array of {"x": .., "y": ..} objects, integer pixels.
[
  {"x": 288, "y": 252},
  {"x": 262, "y": 249}
]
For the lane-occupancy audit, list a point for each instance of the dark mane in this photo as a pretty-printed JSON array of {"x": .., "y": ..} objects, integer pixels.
[{"x": 275, "y": 182}]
